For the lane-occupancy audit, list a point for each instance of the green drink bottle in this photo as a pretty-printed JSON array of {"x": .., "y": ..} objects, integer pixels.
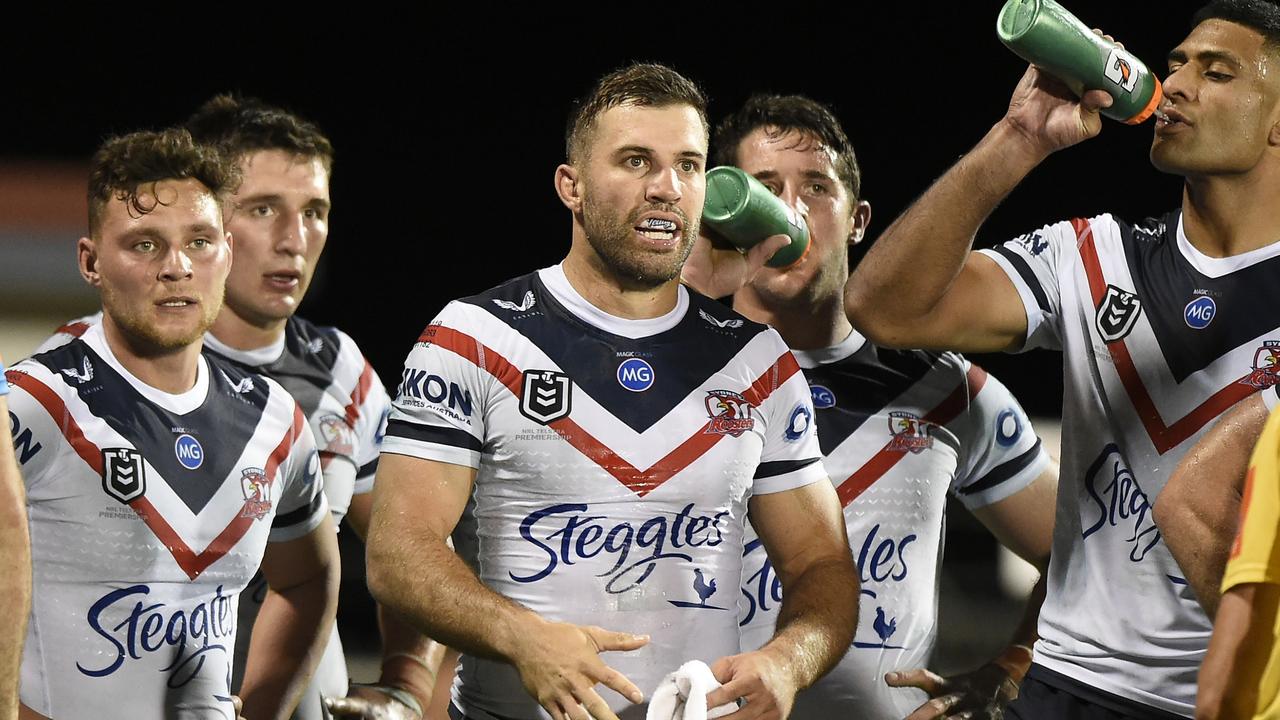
[
  {"x": 743, "y": 211},
  {"x": 1044, "y": 34}
]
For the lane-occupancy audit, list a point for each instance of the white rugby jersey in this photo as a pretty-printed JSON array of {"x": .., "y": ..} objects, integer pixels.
[
  {"x": 614, "y": 459},
  {"x": 323, "y": 369},
  {"x": 899, "y": 431},
  {"x": 149, "y": 512},
  {"x": 1158, "y": 340},
  {"x": 346, "y": 406}
]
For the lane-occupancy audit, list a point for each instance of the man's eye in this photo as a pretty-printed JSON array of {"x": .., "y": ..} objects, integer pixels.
[
  {"x": 818, "y": 189},
  {"x": 1218, "y": 76},
  {"x": 636, "y": 161},
  {"x": 144, "y": 246},
  {"x": 688, "y": 166},
  {"x": 200, "y": 243},
  {"x": 261, "y": 211}
]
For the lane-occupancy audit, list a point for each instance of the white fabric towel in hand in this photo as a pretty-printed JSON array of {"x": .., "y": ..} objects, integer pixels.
[{"x": 682, "y": 695}]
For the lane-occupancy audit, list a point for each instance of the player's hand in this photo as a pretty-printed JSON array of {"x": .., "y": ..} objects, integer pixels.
[
  {"x": 716, "y": 269},
  {"x": 977, "y": 695},
  {"x": 1050, "y": 116},
  {"x": 758, "y": 678},
  {"x": 371, "y": 703},
  {"x": 560, "y": 665}
]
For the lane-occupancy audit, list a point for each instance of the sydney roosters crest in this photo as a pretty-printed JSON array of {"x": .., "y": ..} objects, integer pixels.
[
  {"x": 910, "y": 432},
  {"x": 257, "y": 493},
  {"x": 1266, "y": 366},
  {"x": 730, "y": 413}
]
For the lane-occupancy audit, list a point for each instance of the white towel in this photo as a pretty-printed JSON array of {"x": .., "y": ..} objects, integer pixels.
[{"x": 682, "y": 695}]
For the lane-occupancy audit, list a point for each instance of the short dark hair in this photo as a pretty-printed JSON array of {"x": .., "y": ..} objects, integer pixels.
[
  {"x": 780, "y": 114},
  {"x": 640, "y": 84},
  {"x": 123, "y": 166},
  {"x": 1259, "y": 15},
  {"x": 243, "y": 125}
]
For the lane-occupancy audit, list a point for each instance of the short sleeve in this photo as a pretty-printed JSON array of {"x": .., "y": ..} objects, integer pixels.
[
  {"x": 1258, "y": 538},
  {"x": 791, "y": 457},
  {"x": 1000, "y": 451},
  {"x": 1035, "y": 263},
  {"x": 302, "y": 504},
  {"x": 438, "y": 410},
  {"x": 36, "y": 432}
]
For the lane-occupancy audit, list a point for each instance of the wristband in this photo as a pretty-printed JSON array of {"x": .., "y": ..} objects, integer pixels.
[
  {"x": 404, "y": 697},
  {"x": 1015, "y": 660}
]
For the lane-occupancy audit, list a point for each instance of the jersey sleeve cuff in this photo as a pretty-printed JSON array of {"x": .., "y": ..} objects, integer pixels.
[
  {"x": 432, "y": 451},
  {"x": 772, "y": 477},
  {"x": 1030, "y": 305},
  {"x": 1248, "y": 572},
  {"x": 1007, "y": 479},
  {"x": 297, "y": 523}
]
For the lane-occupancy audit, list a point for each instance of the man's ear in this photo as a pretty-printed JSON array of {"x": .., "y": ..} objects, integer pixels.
[
  {"x": 87, "y": 261},
  {"x": 861, "y": 219},
  {"x": 568, "y": 188}
]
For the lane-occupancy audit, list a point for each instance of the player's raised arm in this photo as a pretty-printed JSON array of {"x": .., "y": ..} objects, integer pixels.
[{"x": 919, "y": 286}]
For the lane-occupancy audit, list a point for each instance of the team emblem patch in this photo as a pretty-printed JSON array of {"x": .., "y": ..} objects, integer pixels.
[
  {"x": 256, "y": 487},
  {"x": 910, "y": 432},
  {"x": 546, "y": 396},
  {"x": 1118, "y": 313},
  {"x": 798, "y": 424},
  {"x": 635, "y": 375},
  {"x": 1266, "y": 366},
  {"x": 189, "y": 452},
  {"x": 823, "y": 398},
  {"x": 730, "y": 413},
  {"x": 123, "y": 475},
  {"x": 1200, "y": 312},
  {"x": 336, "y": 435}
]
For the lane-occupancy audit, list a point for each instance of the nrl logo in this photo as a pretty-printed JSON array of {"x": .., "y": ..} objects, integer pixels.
[
  {"x": 524, "y": 305},
  {"x": 546, "y": 396},
  {"x": 1118, "y": 313},
  {"x": 123, "y": 475},
  {"x": 729, "y": 324},
  {"x": 84, "y": 375}
]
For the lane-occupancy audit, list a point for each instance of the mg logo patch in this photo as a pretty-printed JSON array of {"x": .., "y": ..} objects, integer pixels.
[
  {"x": 546, "y": 396},
  {"x": 123, "y": 476},
  {"x": 1118, "y": 313}
]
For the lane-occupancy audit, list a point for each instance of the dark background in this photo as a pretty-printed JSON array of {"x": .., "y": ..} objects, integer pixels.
[{"x": 448, "y": 128}]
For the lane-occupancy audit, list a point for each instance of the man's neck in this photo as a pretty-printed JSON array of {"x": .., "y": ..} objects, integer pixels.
[
  {"x": 240, "y": 334},
  {"x": 804, "y": 326},
  {"x": 616, "y": 296},
  {"x": 1228, "y": 216},
  {"x": 171, "y": 371}
]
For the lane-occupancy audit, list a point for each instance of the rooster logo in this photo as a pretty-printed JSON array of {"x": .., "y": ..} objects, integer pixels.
[
  {"x": 84, "y": 375},
  {"x": 730, "y": 413},
  {"x": 1266, "y": 366},
  {"x": 703, "y": 588},
  {"x": 256, "y": 487},
  {"x": 884, "y": 629},
  {"x": 525, "y": 304}
]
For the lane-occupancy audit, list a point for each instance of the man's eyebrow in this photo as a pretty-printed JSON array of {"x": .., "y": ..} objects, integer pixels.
[{"x": 1207, "y": 56}]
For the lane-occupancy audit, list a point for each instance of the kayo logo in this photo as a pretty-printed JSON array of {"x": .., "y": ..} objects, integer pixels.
[
  {"x": 184, "y": 636},
  {"x": 1120, "y": 501},
  {"x": 569, "y": 533}
]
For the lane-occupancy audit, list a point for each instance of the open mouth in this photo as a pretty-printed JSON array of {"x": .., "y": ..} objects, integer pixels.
[
  {"x": 663, "y": 230},
  {"x": 177, "y": 302},
  {"x": 285, "y": 280}
]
